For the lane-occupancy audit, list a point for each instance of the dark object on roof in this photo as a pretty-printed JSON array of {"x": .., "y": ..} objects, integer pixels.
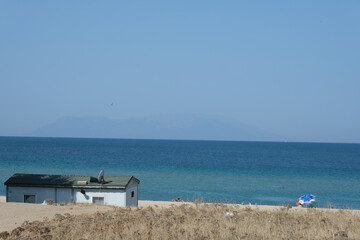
[{"x": 45, "y": 180}]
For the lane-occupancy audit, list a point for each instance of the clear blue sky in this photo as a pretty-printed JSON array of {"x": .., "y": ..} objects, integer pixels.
[{"x": 288, "y": 67}]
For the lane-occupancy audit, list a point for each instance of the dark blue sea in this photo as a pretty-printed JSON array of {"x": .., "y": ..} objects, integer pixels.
[{"x": 272, "y": 173}]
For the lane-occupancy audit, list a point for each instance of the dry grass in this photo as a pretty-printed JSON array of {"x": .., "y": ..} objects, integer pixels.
[{"x": 198, "y": 221}]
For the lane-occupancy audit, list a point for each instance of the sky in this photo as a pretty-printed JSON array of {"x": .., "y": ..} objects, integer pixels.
[{"x": 288, "y": 67}]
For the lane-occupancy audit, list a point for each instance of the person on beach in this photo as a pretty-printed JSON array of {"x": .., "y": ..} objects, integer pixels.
[{"x": 177, "y": 200}]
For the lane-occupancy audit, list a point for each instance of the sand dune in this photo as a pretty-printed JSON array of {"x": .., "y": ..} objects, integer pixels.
[{"x": 14, "y": 214}]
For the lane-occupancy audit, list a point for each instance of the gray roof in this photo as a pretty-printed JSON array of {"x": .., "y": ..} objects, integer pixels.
[{"x": 45, "y": 180}]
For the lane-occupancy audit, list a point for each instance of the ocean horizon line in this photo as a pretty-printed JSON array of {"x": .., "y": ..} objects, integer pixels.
[{"x": 173, "y": 139}]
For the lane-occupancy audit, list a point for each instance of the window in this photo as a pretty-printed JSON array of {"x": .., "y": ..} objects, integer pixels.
[
  {"x": 132, "y": 194},
  {"x": 98, "y": 200},
  {"x": 29, "y": 198}
]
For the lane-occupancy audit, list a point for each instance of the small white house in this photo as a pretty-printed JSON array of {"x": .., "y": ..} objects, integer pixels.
[{"x": 35, "y": 188}]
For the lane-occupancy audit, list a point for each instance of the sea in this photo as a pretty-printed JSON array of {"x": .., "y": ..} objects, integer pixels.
[{"x": 269, "y": 173}]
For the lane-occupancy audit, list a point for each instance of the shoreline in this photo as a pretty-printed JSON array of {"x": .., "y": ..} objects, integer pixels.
[
  {"x": 151, "y": 203},
  {"x": 17, "y": 213}
]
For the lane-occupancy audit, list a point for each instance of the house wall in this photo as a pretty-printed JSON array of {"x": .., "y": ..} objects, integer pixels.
[
  {"x": 132, "y": 187},
  {"x": 16, "y": 194},
  {"x": 116, "y": 197},
  {"x": 64, "y": 195},
  {"x": 111, "y": 196}
]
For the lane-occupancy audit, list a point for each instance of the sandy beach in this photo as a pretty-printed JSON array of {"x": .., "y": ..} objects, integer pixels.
[{"x": 14, "y": 214}]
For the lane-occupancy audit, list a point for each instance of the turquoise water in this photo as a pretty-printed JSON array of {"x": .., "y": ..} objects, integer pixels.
[{"x": 217, "y": 171}]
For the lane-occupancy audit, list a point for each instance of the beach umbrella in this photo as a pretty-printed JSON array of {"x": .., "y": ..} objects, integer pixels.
[{"x": 307, "y": 199}]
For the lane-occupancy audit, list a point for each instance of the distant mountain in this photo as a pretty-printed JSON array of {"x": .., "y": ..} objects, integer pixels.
[{"x": 157, "y": 127}]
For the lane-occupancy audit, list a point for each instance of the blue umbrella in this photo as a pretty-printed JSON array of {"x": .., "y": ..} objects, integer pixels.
[{"x": 307, "y": 199}]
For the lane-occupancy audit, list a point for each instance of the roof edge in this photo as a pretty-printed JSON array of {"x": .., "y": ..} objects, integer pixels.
[{"x": 66, "y": 186}]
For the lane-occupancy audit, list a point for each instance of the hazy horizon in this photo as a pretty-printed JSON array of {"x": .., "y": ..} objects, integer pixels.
[
  {"x": 265, "y": 69},
  {"x": 148, "y": 128}
]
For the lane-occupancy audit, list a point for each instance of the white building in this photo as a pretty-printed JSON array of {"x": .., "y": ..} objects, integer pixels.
[{"x": 35, "y": 188}]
